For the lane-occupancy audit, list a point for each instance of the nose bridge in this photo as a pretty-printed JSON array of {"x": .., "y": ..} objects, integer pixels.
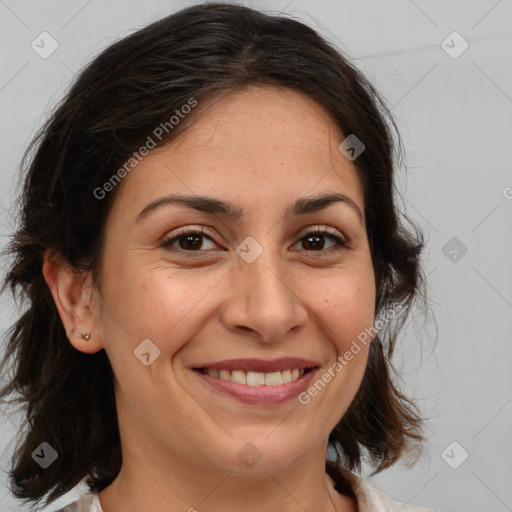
[{"x": 270, "y": 283}]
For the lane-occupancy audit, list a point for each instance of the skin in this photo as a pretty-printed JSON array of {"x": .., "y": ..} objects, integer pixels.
[{"x": 261, "y": 149}]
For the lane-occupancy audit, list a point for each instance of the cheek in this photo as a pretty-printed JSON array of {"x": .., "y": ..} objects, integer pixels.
[
  {"x": 345, "y": 308},
  {"x": 345, "y": 312},
  {"x": 156, "y": 302}
]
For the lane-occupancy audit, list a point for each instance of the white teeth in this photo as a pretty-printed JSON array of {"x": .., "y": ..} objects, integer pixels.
[
  {"x": 224, "y": 375},
  {"x": 286, "y": 376},
  {"x": 273, "y": 379},
  {"x": 257, "y": 378},
  {"x": 239, "y": 376}
]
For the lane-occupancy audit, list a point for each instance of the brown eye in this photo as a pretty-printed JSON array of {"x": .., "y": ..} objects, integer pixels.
[
  {"x": 321, "y": 241},
  {"x": 191, "y": 241},
  {"x": 314, "y": 242}
]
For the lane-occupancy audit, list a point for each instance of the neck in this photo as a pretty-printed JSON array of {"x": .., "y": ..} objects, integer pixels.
[{"x": 182, "y": 485}]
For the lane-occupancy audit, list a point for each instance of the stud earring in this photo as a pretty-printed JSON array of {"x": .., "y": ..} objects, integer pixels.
[{"x": 84, "y": 336}]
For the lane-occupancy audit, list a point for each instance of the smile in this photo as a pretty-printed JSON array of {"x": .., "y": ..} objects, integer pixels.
[
  {"x": 255, "y": 378},
  {"x": 256, "y": 381}
]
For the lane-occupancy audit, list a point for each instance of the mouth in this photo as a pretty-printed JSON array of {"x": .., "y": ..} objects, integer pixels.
[
  {"x": 256, "y": 378},
  {"x": 256, "y": 381}
]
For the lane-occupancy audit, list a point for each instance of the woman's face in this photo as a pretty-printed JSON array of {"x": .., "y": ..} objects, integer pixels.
[{"x": 211, "y": 255}]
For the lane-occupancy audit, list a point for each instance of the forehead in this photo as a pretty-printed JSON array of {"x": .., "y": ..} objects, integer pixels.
[
  {"x": 262, "y": 124},
  {"x": 272, "y": 141}
]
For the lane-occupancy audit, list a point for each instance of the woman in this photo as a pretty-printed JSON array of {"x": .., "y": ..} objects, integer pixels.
[{"x": 216, "y": 272}]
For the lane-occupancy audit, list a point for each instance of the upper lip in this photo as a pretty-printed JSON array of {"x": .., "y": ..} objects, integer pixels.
[{"x": 259, "y": 365}]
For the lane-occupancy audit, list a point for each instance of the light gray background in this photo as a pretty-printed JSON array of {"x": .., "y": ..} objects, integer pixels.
[{"x": 455, "y": 115}]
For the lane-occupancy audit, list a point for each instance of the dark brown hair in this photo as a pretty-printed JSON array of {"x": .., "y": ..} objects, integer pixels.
[{"x": 114, "y": 104}]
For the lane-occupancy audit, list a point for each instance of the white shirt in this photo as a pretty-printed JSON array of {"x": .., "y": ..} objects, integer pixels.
[{"x": 368, "y": 498}]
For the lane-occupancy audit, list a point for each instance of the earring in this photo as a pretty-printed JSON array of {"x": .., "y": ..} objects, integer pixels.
[{"x": 84, "y": 336}]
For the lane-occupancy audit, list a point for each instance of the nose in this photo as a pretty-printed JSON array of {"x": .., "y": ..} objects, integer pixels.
[{"x": 262, "y": 301}]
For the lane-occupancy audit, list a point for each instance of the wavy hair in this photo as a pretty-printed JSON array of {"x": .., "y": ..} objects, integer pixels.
[{"x": 117, "y": 100}]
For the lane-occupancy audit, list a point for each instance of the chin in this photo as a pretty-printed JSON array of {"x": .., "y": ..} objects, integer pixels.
[{"x": 261, "y": 453}]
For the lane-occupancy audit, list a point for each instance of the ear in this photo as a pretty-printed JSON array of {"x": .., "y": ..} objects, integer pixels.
[{"x": 73, "y": 295}]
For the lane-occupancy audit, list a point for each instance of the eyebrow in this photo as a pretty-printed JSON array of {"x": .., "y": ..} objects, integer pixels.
[{"x": 302, "y": 206}]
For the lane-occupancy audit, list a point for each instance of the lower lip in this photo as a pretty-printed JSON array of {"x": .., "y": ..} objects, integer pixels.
[{"x": 260, "y": 394}]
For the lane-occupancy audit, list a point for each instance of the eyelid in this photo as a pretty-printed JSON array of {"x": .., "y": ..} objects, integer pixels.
[
  {"x": 322, "y": 228},
  {"x": 187, "y": 230}
]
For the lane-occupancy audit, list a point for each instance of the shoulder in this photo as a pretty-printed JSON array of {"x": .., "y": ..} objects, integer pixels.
[
  {"x": 371, "y": 499},
  {"x": 87, "y": 503}
]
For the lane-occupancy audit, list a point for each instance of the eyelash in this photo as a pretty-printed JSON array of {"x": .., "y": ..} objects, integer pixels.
[{"x": 340, "y": 243}]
